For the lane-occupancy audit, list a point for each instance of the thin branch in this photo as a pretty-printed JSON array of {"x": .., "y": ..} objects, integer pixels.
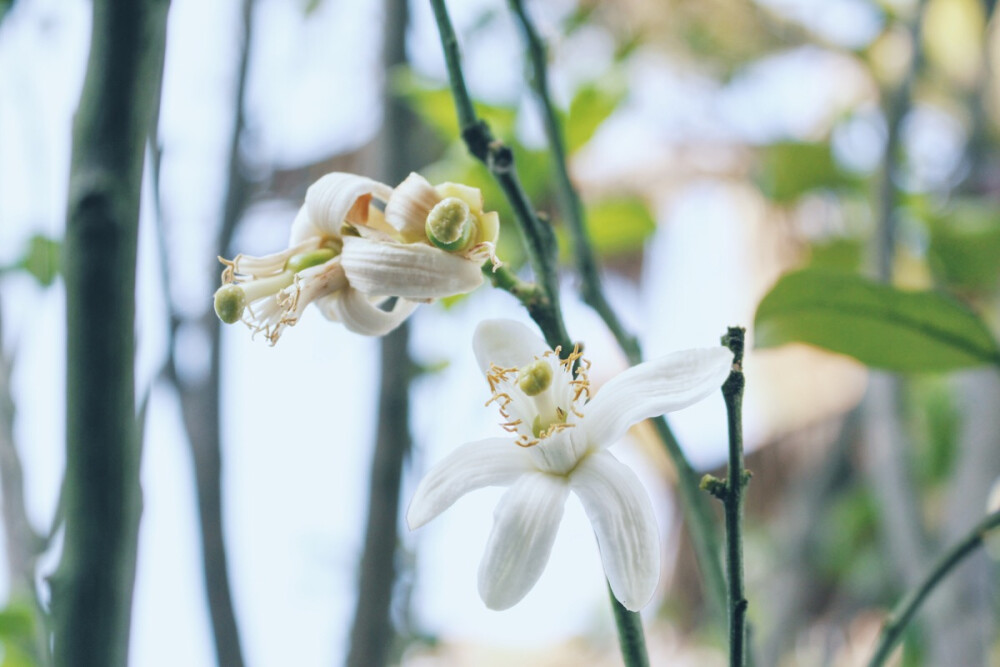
[
  {"x": 200, "y": 401},
  {"x": 697, "y": 512},
  {"x": 538, "y": 237},
  {"x": 372, "y": 631},
  {"x": 892, "y": 631},
  {"x": 568, "y": 198},
  {"x": 732, "y": 392},
  {"x": 631, "y": 638},
  {"x": 92, "y": 588}
]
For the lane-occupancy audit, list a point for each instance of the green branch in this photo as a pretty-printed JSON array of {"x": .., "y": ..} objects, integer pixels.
[
  {"x": 539, "y": 241},
  {"x": 732, "y": 392},
  {"x": 631, "y": 638},
  {"x": 892, "y": 631},
  {"x": 92, "y": 588}
]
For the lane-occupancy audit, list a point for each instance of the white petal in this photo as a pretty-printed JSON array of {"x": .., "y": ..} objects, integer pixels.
[
  {"x": 653, "y": 388},
  {"x": 524, "y": 527},
  {"x": 411, "y": 270},
  {"x": 334, "y": 199},
  {"x": 474, "y": 465},
  {"x": 622, "y": 516},
  {"x": 362, "y": 317},
  {"x": 506, "y": 343},
  {"x": 409, "y": 205}
]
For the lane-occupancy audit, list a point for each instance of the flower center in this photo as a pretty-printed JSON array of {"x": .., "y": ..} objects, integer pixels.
[
  {"x": 537, "y": 400},
  {"x": 450, "y": 224}
]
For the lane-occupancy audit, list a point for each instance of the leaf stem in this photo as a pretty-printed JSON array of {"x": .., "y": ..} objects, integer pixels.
[
  {"x": 695, "y": 504},
  {"x": 896, "y": 623}
]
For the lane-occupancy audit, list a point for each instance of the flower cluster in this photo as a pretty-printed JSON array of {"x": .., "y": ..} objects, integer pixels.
[
  {"x": 558, "y": 445},
  {"x": 365, "y": 254}
]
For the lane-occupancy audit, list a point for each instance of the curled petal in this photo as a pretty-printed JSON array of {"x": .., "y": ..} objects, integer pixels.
[
  {"x": 411, "y": 270},
  {"x": 524, "y": 528},
  {"x": 474, "y": 465},
  {"x": 361, "y": 316},
  {"x": 506, "y": 343},
  {"x": 654, "y": 388},
  {"x": 622, "y": 516},
  {"x": 409, "y": 205},
  {"x": 334, "y": 199}
]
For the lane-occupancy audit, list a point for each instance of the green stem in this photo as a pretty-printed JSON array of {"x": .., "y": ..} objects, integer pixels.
[
  {"x": 92, "y": 587},
  {"x": 892, "y": 631},
  {"x": 695, "y": 504},
  {"x": 566, "y": 194},
  {"x": 538, "y": 238},
  {"x": 631, "y": 637},
  {"x": 732, "y": 392}
]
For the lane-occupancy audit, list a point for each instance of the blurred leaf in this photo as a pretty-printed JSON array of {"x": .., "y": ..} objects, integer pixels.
[
  {"x": 789, "y": 169},
  {"x": 841, "y": 254},
  {"x": 935, "y": 420},
  {"x": 591, "y": 106},
  {"x": 965, "y": 245},
  {"x": 878, "y": 325},
  {"x": 311, "y": 6},
  {"x": 619, "y": 225},
  {"x": 436, "y": 107},
  {"x": 40, "y": 259}
]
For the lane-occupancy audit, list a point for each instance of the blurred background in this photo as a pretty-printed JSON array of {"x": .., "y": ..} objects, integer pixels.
[{"x": 716, "y": 144}]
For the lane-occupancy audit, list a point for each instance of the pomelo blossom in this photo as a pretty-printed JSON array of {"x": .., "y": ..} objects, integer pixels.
[
  {"x": 356, "y": 242},
  {"x": 559, "y": 437}
]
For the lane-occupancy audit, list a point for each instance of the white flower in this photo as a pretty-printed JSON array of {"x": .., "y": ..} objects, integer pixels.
[
  {"x": 356, "y": 242},
  {"x": 559, "y": 445}
]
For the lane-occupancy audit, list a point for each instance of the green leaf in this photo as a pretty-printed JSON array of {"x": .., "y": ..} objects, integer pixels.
[
  {"x": 591, "y": 106},
  {"x": 878, "y": 325},
  {"x": 789, "y": 169},
  {"x": 436, "y": 106},
  {"x": 965, "y": 245},
  {"x": 41, "y": 259},
  {"x": 619, "y": 225}
]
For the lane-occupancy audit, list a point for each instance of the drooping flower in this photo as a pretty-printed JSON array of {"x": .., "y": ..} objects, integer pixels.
[
  {"x": 357, "y": 242},
  {"x": 559, "y": 437}
]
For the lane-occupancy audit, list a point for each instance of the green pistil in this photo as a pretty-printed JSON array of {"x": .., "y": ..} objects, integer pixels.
[
  {"x": 450, "y": 225},
  {"x": 535, "y": 378}
]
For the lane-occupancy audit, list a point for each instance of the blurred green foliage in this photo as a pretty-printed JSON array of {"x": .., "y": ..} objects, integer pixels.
[
  {"x": 789, "y": 169},
  {"x": 40, "y": 259},
  {"x": 591, "y": 106},
  {"x": 878, "y": 325},
  {"x": 17, "y": 635},
  {"x": 965, "y": 245},
  {"x": 618, "y": 224}
]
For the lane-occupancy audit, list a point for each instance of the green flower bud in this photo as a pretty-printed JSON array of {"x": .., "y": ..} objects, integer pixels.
[
  {"x": 450, "y": 225},
  {"x": 230, "y": 301}
]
